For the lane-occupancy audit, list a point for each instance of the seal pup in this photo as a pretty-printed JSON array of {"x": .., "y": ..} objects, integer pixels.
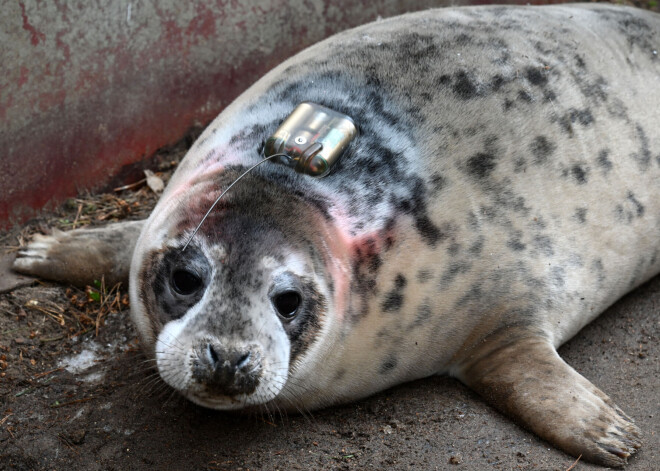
[{"x": 502, "y": 191}]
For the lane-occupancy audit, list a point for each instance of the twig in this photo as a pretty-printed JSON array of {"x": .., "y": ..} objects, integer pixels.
[
  {"x": 266, "y": 422},
  {"x": 574, "y": 464},
  {"x": 130, "y": 185},
  {"x": 5, "y": 418},
  {"x": 103, "y": 299},
  {"x": 24, "y": 391},
  {"x": 75, "y": 221},
  {"x": 46, "y": 373},
  {"x": 65, "y": 440},
  {"x": 12, "y": 314},
  {"x": 77, "y": 401}
]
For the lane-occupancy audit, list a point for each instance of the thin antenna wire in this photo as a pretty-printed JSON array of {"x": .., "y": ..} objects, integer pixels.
[{"x": 223, "y": 194}]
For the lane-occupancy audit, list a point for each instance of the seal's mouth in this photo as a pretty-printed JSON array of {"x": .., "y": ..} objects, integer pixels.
[{"x": 219, "y": 402}]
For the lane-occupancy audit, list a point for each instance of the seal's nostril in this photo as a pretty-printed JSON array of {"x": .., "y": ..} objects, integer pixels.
[
  {"x": 243, "y": 360},
  {"x": 213, "y": 356}
]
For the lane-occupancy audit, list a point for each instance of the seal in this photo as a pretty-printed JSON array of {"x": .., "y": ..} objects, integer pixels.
[{"x": 501, "y": 192}]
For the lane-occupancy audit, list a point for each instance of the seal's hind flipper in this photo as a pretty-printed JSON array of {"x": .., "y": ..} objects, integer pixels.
[
  {"x": 83, "y": 255},
  {"x": 526, "y": 379}
]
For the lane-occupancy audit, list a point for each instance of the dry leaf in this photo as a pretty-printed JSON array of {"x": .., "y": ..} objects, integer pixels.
[{"x": 154, "y": 182}]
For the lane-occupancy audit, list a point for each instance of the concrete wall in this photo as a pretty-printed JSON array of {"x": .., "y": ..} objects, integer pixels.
[{"x": 88, "y": 87}]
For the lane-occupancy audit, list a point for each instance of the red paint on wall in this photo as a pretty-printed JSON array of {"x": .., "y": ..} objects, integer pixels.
[
  {"x": 23, "y": 78},
  {"x": 36, "y": 36},
  {"x": 69, "y": 122},
  {"x": 118, "y": 139}
]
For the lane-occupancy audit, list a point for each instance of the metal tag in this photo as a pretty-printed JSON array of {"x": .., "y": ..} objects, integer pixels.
[{"x": 312, "y": 138}]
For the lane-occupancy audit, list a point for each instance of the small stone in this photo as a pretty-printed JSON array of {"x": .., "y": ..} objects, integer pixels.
[
  {"x": 455, "y": 459},
  {"x": 77, "y": 437}
]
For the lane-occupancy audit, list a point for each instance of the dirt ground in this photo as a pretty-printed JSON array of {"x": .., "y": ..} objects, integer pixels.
[{"x": 76, "y": 393}]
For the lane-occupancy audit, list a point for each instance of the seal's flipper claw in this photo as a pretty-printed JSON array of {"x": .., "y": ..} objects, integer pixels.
[
  {"x": 81, "y": 256},
  {"x": 528, "y": 380}
]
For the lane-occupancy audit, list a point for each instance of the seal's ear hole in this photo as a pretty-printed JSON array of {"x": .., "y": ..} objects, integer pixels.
[
  {"x": 287, "y": 303},
  {"x": 185, "y": 282}
]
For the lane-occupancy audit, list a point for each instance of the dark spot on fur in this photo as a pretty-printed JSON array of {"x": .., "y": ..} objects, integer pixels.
[
  {"x": 580, "y": 215},
  {"x": 428, "y": 230},
  {"x": 388, "y": 364},
  {"x": 444, "y": 80},
  {"x": 557, "y": 276},
  {"x": 400, "y": 282},
  {"x": 415, "y": 205},
  {"x": 453, "y": 271},
  {"x": 549, "y": 95},
  {"x": 598, "y": 268},
  {"x": 639, "y": 207},
  {"x": 424, "y": 275},
  {"x": 374, "y": 263},
  {"x": 575, "y": 260},
  {"x": 575, "y": 116},
  {"x": 541, "y": 149},
  {"x": 543, "y": 244},
  {"x": 497, "y": 82},
  {"x": 536, "y": 77},
  {"x": 515, "y": 243},
  {"x": 643, "y": 155},
  {"x": 584, "y": 117},
  {"x": 524, "y": 96},
  {"x": 477, "y": 247},
  {"x": 579, "y": 173},
  {"x": 394, "y": 299},
  {"x": 603, "y": 161},
  {"x": 481, "y": 165},
  {"x": 438, "y": 183},
  {"x": 464, "y": 87},
  {"x": 424, "y": 313}
]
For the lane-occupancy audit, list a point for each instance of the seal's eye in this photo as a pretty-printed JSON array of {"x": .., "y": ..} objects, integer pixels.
[
  {"x": 185, "y": 282},
  {"x": 287, "y": 303}
]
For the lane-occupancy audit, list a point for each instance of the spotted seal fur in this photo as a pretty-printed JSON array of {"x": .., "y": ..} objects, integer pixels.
[{"x": 503, "y": 190}]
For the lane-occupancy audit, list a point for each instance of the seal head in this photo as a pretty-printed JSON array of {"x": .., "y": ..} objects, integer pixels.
[{"x": 228, "y": 317}]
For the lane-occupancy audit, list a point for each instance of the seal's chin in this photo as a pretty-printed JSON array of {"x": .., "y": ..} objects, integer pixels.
[
  {"x": 226, "y": 402},
  {"x": 204, "y": 396}
]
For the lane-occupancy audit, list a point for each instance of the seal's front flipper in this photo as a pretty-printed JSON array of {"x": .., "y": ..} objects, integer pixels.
[
  {"x": 525, "y": 378},
  {"x": 83, "y": 255}
]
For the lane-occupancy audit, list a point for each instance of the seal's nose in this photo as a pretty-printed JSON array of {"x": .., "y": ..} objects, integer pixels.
[
  {"x": 230, "y": 362},
  {"x": 226, "y": 370}
]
